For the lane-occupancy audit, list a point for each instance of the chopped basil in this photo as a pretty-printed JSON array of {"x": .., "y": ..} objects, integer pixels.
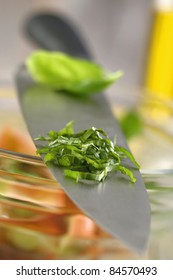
[
  {"x": 73, "y": 75},
  {"x": 86, "y": 155}
]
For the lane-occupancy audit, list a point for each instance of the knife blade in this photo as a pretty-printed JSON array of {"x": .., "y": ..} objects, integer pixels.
[{"x": 118, "y": 206}]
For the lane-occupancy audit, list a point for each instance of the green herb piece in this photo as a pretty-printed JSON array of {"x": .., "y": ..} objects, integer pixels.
[
  {"x": 64, "y": 72},
  {"x": 86, "y": 155},
  {"x": 131, "y": 124}
]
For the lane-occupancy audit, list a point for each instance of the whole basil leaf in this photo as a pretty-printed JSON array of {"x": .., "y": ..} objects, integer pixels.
[{"x": 64, "y": 72}]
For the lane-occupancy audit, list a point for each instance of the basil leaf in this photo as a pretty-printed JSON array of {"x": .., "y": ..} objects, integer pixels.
[
  {"x": 86, "y": 155},
  {"x": 131, "y": 124},
  {"x": 64, "y": 72}
]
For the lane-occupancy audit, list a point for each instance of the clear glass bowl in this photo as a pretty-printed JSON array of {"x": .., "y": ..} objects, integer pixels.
[{"x": 37, "y": 219}]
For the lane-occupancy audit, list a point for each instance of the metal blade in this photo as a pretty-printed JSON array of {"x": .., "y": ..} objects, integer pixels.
[{"x": 117, "y": 205}]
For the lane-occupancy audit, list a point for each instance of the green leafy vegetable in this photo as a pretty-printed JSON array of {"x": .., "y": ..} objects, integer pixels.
[
  {"x": 64, "y": 72},
  {"x": 131, "y": 124},
  {"x": 87, "y": 155}
]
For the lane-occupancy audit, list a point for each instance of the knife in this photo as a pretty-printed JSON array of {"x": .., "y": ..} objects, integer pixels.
[{"x": 118, "y": 206}]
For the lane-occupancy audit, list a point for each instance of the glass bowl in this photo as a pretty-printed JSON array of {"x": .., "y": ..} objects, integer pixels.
[{"x": 37, "y": 219}]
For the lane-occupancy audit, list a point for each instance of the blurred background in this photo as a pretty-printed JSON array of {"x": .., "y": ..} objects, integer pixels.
[
  {"x": 117, "y": 32},
  {"x": 136, "y": 37}
]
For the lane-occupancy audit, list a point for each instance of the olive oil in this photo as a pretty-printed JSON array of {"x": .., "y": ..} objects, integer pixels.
[{"x": 159, "y": 68}]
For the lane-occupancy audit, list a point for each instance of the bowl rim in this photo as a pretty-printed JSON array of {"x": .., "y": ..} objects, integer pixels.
[{"x": 37, "y": 160}]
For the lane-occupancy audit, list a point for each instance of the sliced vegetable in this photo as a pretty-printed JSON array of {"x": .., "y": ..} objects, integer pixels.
[
  {"x": 86, "y": 155},
  {"x": 64, "y": 72}
]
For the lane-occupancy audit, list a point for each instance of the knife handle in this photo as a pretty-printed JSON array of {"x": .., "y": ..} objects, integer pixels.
[{"x": 56, "y": 33}]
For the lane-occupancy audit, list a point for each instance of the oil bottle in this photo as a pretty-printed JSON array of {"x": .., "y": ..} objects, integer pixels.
[{"x": 159, "y": 67}]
